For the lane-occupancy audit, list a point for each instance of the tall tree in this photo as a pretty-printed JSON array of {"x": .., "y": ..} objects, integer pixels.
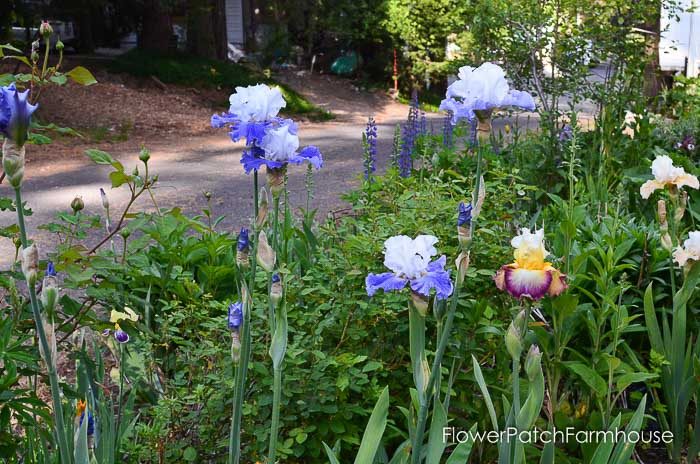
[
  {"x": 156, "y": 27},
  {"x": 206, "y": 28}
]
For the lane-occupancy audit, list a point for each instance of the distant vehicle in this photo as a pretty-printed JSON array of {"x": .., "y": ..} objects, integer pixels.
[
  {"x": 65, "y": 30},
  {"x": 679, "y": 46}
]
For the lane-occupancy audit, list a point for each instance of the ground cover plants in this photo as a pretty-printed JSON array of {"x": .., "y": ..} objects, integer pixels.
[{"x": 488, "y": 280}]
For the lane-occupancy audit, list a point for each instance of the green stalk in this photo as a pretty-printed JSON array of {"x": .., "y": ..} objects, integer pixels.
[
  {"x": 60, "y": 430},
  {"x": 234, "y": 448},
  {"x": 434, "y": 373},
  {"x": 274, "y": 428}
]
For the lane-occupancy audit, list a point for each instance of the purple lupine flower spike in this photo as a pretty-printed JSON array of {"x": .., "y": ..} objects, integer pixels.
[
  {"x": 371, "y": 148},
  {"x": 447, "y": 130}
]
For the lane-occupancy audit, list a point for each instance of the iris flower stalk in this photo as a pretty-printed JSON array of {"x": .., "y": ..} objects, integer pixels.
[
  {"x": 15, "y": 117},
  {"x": 234, "y": 454}
]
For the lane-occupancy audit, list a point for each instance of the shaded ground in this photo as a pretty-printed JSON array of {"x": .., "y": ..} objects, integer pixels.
[{"x": 186, "y": 153}]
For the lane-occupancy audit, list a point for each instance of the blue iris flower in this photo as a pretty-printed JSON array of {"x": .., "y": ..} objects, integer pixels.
[
  {"x": 15, "y": 114},
  {"x": 243, "y": 240},
  {"x": 409, "y": 262},
  {"x": 235, "y": 315},
  {"x": 465, "y": 214}
]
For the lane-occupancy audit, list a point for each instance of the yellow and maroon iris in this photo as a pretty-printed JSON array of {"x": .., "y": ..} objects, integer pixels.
[{"x": 530, "y": 276}]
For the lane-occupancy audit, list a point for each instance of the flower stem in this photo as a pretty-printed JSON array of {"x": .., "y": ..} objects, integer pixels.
[
  {"x": 234, "y": 448},
  {"x": 274, "y": 428},
  {"x": 60, "y": 430},
  {"x": 434, "y": 373}
]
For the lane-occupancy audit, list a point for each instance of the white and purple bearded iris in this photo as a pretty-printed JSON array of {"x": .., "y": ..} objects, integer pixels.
[
  {"x": 482, "y": 89},
  {"x": 409, "y": 261},
  {"x": 270, "y": 140},
  {"x": 15, "y": 114},
  {"x": 530, "y": 276}
]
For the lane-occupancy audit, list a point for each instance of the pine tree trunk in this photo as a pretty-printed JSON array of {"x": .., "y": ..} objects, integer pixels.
[
  {"x": 206, "y": 28},
  {"x": 156, "y": 27}
]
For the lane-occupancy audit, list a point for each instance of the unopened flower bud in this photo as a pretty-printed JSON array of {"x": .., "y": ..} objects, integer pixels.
[
  {"x": 144, "y": 155},
  {"x": 263, "y": 208},
  {"x": 105, "y": 200},
  {"x": 420, "y": 302},
  {"x": 506, "y": 128},
  {"x": 533, "y": 362},
  {"x": 135, "y": 172},
  {"x": 34, "y": 56},
  {"x": 235, "y": 347},
  {"x": 275, "y": 180},
  {"x": 207, "y": 195},
  {"x": 45, "y": 29},
  {"x": 77, "y": 204},
  {"x": 462, "y": 263},
  {"x": 266, "y": 257},
  {"x": 682, "y": 205},
  {"x": 242, "y": 248},
  {"x": 125, "y": 233},
  {"x": 276, "y": 289},
  {"x": 666, "y": 241},
  {"x": 13, "y": 163},
  {"x": 479, "y": 199},
  {"x": 514, "y": 343},
  {"x": 59, "y": 45},
  {"x": 49, "y": 288},
  {"x": 661, "y": 211},
  {"x": 30, "y": 263},
  {"x": 35, "y": 46},
  {"x": 50, "y": 334}
]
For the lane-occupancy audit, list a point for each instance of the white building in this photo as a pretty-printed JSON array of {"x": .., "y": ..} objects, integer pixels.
[{"x": 679, "y": 46}]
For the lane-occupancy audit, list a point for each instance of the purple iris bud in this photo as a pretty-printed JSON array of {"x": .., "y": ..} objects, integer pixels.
[
  {"x": 121, "y": 336},
  {"x": 275, "y": 277},
  {"x": 15, "y": 113},
  {"x": 50, "y": 270},
  {"x": 243, "y": 240},
  {"x": 465, "y": 214},
  {"x": 90, "y": 423},
  {"x": 235, "y": 315}
]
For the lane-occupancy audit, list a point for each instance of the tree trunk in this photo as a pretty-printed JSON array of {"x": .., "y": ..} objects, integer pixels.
[
  {"x": 206, "y": 28},
  {"x": 156, "y": 27},
  {"x": 653, "y": 81}
]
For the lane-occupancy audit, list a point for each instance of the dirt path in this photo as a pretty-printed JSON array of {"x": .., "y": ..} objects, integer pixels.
[{"x": 188, "y": 165}]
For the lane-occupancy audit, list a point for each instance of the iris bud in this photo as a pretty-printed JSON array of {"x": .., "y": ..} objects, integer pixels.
[
  {"x": 77, "y": 204},
  {"x": 13, "y": 163},
  {"x": 30, "y": 263},
  {"x": 263, "y": 208},
  {"x": 51, "y": 341},
  {"x": 420, "y": 302},
  {"x": 275, "y": 180},
  {"x": 120, "y": 335},
  {"x": 514, "y": 343},
  {"x": 462, "y": 264},
  {"x": 242, "y": 248},
  {"x": 533, "y": 362},
  {"x": 276, "y": 289},
  {"x": 49, "y": 288},
  {"x": 266, "y": 257},
  {"x": 235, "y": 347},
  {"x": 682, "y": 204}
]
